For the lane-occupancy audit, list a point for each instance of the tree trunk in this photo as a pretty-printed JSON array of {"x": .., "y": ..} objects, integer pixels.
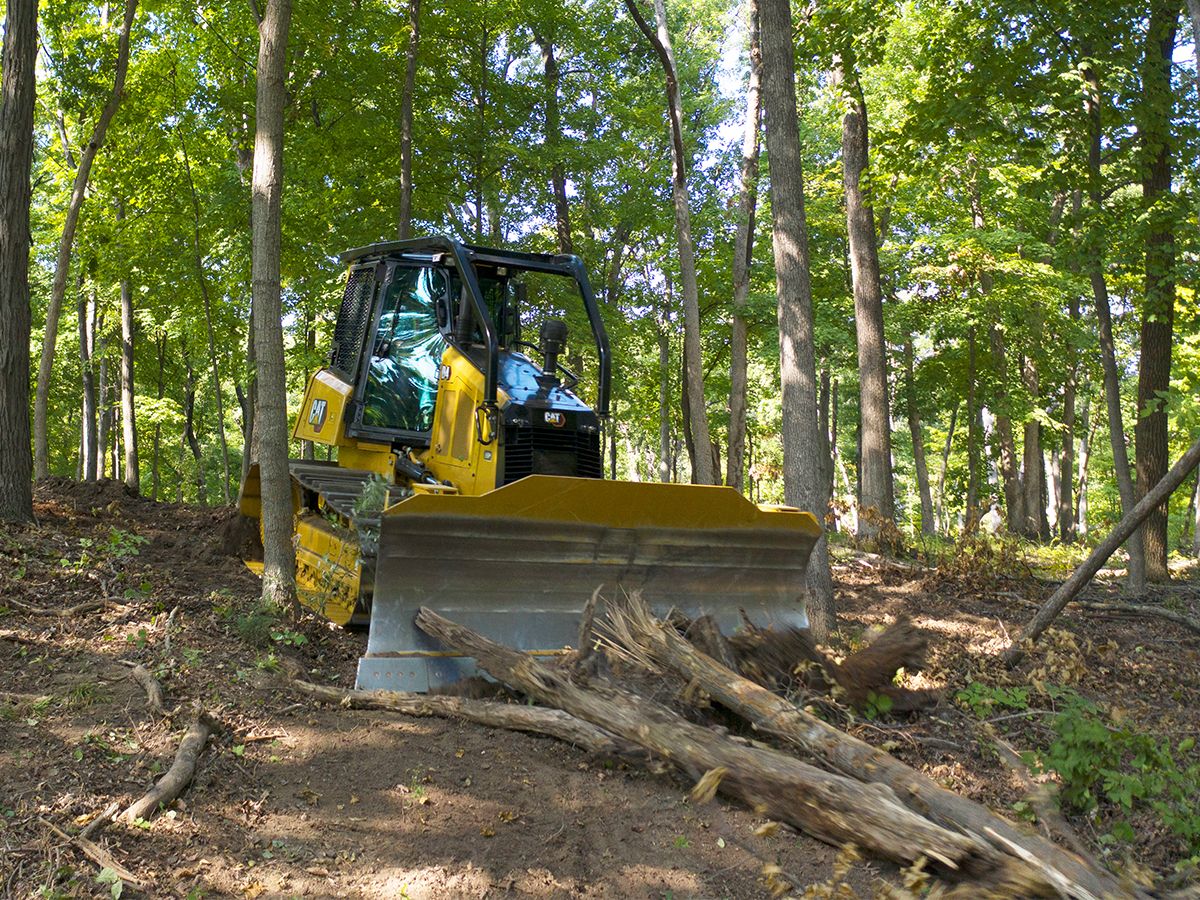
[
  {"x": 553, "y": 135},
  {"x": 1032, "y": 478},
  {"x": 189, "y": 429},
  {"x": 88, "y": 444},
  {"x": 802, "y": 483},
  {"x": 249, "y": 438},
  {"x": 58, "y": 289},
  {"x": 971, "y": 518},
  {"x": 693, "y": 358},
  {"x": 928, "y": 523},
  {"x": 404, "y": 231},
  {"x": 1136, "y": 582},
  {"x": 941, "y": 510},
  {"x": 202, "y": 281},
  {"x": 743, "y": 250},
  {"x": 128, "y": 416},
  {"x": 1193, "y": 7},
  {"x": 279, "y": 563},
  {"x": 18, "y": 89},
  {"x": 1085, "y": 456},
  {"x": 613, "y": 280},
  {"x": 1158, "y": 309},
  {"x": 875, "y": 460},
  {"x": 155, "y": 483},
  {"x": 103, "y": 406},
  {"x": 1196, "y": 493},
  {"x": 664, "y": 403},
  {"x": 1066, "y": 500},
  {"x": 1079, "y": 579}
]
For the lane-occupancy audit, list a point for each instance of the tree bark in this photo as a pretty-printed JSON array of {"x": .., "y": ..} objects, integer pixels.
[
  {"x": 202, "y": 281},
  {"x": 941, "y": 510},
  {"x": 189, "y": 429},
  {"x": 664, "y": 402},
  {"x": 178, "y": 777},
  {"x": 1079, "y": 579},
  {"x": 155, "y": 478},
  {"x": 693, "y": 357},
  {"x": 971, "y": 517},
  {"x": 1010, "y": 471},
  {"x": 103, "y": 405},
  {"x": 18, "y": 89},
  {"x": 1031, "y": 480},
  {"x": 831, "y": 807},
  {"x": 743, "y": 251},
  {"x": 88, "y": 444},
  {"x": 613, "y": 281},
  {"x": 279, "y": 562},
  {"x": 553, "y": 135},
  {"x": 58, "y": 289},
  {"x": 875, "y": 459},
  {"x": 404, "y": 229},
  {"x": 1066, "y": 469},
  {"x": 128, "y": 415},
  {"x": 802, "y": 483},
  {"x": 928, "y": 522},
  {"x": 1158, "y": 309},
  {"x": 1196, "y": 506},
  {"x": 1085, "y": 457},
  {"x": 636, "y": 630},
  {"x": 1136, "y": 581}
]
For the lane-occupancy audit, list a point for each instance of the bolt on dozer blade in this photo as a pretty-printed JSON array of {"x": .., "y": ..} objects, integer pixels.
[{"x": 520, "y": 563}]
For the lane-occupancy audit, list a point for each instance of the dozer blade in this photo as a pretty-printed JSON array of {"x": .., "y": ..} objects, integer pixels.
[{"x": 520, "y": 563}]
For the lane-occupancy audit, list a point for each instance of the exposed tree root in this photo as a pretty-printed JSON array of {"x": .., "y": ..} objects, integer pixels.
[
  {"x": 97, "y": 854},
  {"x": 61, "y": 613},
  {"x": 179, "y": 776},
  {"x": 154, "y": 692}
]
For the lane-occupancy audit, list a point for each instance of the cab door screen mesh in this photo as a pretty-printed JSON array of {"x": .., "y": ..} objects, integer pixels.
[{"x": 353, "y": 320}]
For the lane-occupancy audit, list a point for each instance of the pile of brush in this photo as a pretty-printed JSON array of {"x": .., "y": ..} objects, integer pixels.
[{"x": 797, "y": 769}]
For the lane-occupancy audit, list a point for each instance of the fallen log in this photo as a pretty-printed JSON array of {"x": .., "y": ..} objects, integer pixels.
[
  {"x": 636, "y": 632},
  {"x": 513, "y": 717},
  {"x": 178, "y": 777},
  {"x": 1097, "y": 558},
  {"x": 828, "y": 806}
]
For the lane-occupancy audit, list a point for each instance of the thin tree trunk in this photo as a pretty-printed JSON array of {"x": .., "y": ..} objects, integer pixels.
[
  {"x": 743, "y": 250},
  {"x": 155, "y": 483},
  {"x": 1085, "y": 456},
  {"x": 875, "y": 458},
  {"x": 202, "y": 281},
  {"x": 1066, "y": 500},
  {"x": 1031, "y": 481},
  {"x": 128, "y": 416},
  {"x": 797, "y": 363},
  {"x": 973, "y": 438},
  {"x": 88, "y": 444},
  {"x": 613, "y": 281},
  {"x": 1136, "y": 582},
  {"x": 404, "y": 231},
  {"x": 693, "y": 359},
  {"x": 553, "y": 137},
  {"x": 1087, "y": 570},
  {"x": 1196, "y": 493},
  {"x": 58, "y": 289},
  {"x": 189, "y": 429},
  {"x": 104, "y": 407},
  {"x": 1158, "y": 309},
  {"x": 941, "y": 510},
  {"x": 1193, "y": 7},
  {"x": 928, "y": 523},
  {"x": 18, "y": 90},
  {"x": 249, "y": 437},
  {"x": 664, "y": 403},
  {"x": 279, "y": 563}
]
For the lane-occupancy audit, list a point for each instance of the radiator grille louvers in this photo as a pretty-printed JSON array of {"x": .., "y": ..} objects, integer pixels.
[
  {"x": 550, "y": 451},
  {"x": 353, "y": 320}
]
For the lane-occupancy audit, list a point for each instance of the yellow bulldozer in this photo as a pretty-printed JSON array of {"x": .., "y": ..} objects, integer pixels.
[{"x": 467, "y": 474}]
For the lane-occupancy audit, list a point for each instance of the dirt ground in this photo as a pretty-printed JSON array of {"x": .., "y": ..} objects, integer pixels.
[{"x": 296, "y": 799}]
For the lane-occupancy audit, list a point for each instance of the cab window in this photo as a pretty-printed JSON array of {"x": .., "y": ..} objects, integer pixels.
[{"x": 406, "y": 354}]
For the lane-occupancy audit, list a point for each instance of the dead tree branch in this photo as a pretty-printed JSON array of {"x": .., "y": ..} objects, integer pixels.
[{"x": 179, "y": 776}]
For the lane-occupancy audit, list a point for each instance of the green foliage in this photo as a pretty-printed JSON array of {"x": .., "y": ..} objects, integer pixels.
[
  {"x": 982, "y": 699},
  {"x": 1099, "y": 760}
]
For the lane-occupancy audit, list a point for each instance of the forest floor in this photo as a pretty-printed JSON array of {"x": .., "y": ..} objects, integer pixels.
[{"x": 293, "y": 798}]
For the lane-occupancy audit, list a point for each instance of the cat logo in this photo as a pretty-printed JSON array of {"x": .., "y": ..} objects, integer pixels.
[
  {"x": 557, "y": 419},
  {"x": 316, "y": 414}
]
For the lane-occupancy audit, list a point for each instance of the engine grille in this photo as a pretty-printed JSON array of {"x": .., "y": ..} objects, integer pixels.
[
  {"x": 354, "y": 318},
  {"x": 550, "y": 451}
]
